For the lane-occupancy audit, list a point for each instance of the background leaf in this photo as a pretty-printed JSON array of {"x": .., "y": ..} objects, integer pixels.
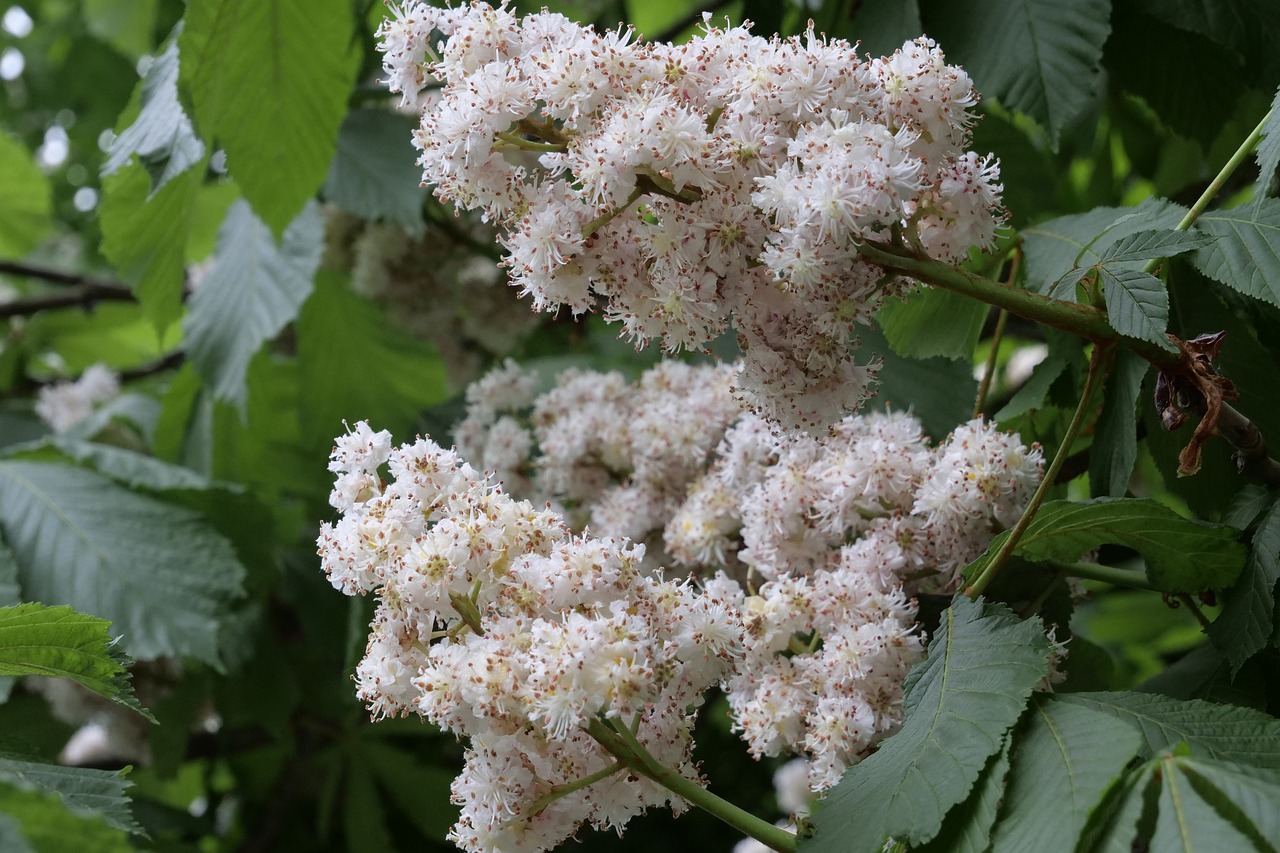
[
  {"x": 253, "y": 290},
  {"x": 84, "y": 791},
  {"x": 374, "y": 173},
  {"x": 1246, "y": 255},
  {"x": 933, "y": 322},
  {"x": 1181, "y": 555},
  {"x": 60, "y": 643},
  {"x": 269, "y": 80},
  {"x": 26, "y": 200},
  {"x": 1244, "y": 626},
  {"x": 982, "y": 665},
  {"x": 1115, "y": 439},
  {"x": 158, "y": 572}
]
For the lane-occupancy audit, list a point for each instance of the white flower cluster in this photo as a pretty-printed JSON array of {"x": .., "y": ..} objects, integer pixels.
[
  {"x": 498, "y": 624},
  {"x": 836, "y": 528},
  {"x": 685, "y": 187},
  {"x": 65, "y": 404}
]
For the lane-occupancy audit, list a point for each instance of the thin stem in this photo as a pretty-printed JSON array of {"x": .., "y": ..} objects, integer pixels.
[
  {"x": 1107, "y": 574},
  {"x": 1034, "y": 605},
  {"x": 528, "y": 144},
  {"x": 623, "y": 745},
  {"x": 1096, "y": 362},
  {"x": 569, "y": 787},
  {"x": 988, "y": 371},
  {"x": 1195, "y": 610},
  {"x": 1242, "y": 154},
  {"x": 605, "y": 218}
]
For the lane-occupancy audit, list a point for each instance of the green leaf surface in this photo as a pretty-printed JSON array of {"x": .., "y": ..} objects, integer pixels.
[
  {"x": 159, "y": 572},
  {"x": 84, "y": 791},
  {"x": 1132, "y": 803},
  {"x": 1222, "y": 732},
  {"x": 144, "y": 236},
  {"x": 883, "y": 25},
  {"x": 58, "y": 642},
  {"x": 933, "y": 322},
  {"x": 1041, "y": 57},
  {"x": 940, "y": 392},
  {"x": 127, "y": 467},
  {"x": 49, "y": 826},
  {"x": 1246, "y": 255},
  {"x": 967, "y": 828},
  {"x": 982, "y": 665},
  {"x": 1035, "y": 391},
  {"x": 1065, "y": 757},
  {"x": 269, "y": 80},
  {"x": 1244, "y": 626},
  {"x": 161, "y": 136},
  {"x": 26, "y": 200},
  {"x": 375, "y": 173},
  {"x": 1115, "y": 438},
  {"x": 253, "y": 290},
  {"x": 1146, "y": 245},
  {"x": 408, "y": 782},
  {"x": 1247, "y": 27},
  {"x": 1246, "y": 795},
  {"x": 380, "y": 374},
  {"x": 1185, "y": 822},
  {"x": 1182, "y": 555},
  {"x": 1137, "y": 305},
  {"x": 126, "y": 25},
  {"x": 11, "y": 837},
  {"x": 1056, "y": 247},
  {"x": 1268, "y": 153}
]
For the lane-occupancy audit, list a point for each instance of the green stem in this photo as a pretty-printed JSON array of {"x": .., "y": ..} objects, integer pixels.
[
  {"x": 984, "y": 387},
  {"x": 605, "y": 218},
  {"x": 1096, "y": 361},
  {"x": 624, "y": 746},
  {"x": 569, "y": 787},
  {"x": 528, "y": 144},
  {"x": 1242, "y": 154},
  {"x": 1107, "y": 574}
]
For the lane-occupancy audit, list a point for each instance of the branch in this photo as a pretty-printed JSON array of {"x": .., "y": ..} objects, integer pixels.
[
  {"x": 83, "y": 295},
  {"x": 55, "y": 276}
]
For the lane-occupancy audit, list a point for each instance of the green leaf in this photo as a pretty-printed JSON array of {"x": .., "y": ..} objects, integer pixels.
[
  {"x": 84, "y": 791},
  {"x": 408, "y": 783},
  {"x": 1137, "y": 305},
  {"x": 1221, "y": 732},
  {"x": 1146, "y": 245},
  {"x": 145, "y": 236},
  {"x": 269, "y": 80},
  {"x": 378, "y": 373},
  {"x": 933, "y": 322},
  {"x": 365, "y": 820},
  {"x": 61, "y": 643},
  {"x": 1186, "y": 822},
  {"x": 1065, "y": 757},
  {"x": 49, "y": 826},
  {"x": 1250, "y": 28},
  {"x": 1247, "y": 796},
  {"x": 1268, "y": 153},
  {"x": 253, "y": 290},
  {"x": 375, "y": 173},
  {"x": 940, "y": 392},
  {"x": 1244, "y": 626},
  {"x": 11, "y": 837},
  {"x": 1131, "y": 804},
  {"x": 1035, "y": 391},
  {"x": 161, "y": 136},
  {"x": 1056, "y": 247},
  {"x": 127, "y": 467},
  {"x": 1182, "y": 555},
  {"x": 967, "y": 828},
  {"x": 26, "y": 200},
  {"x": 982, "y": 665},
  {"x": 126, "y": 25},
  {"x": 1037, "y": 56},
  {"x": 1246, "y": 255},
  {"x": 160, "y": 573},
  {"x": 1115, "y": 439}
]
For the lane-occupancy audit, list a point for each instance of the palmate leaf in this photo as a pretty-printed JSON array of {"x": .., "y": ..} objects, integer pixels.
[
  {"x": 1222, "y": 732},
  {"x": 161, "y": 136},
  {"x": 1115, "y": 438},
  {"x": 1181, "y": 555},
  {"x": 144, "y": 235},
  {"x": 47, "y": 825},
  {"x": 1040, "y": 57},
  {"x": 269, "y": 80},
  {"x": 374, "y": 172},
  {"x": 967, "y": 827},
  {"x": 1184, "y": 821},
  {"x": 933, "y": 322},
  {"x": 1268, "y": 152},
  {"x": 253, "y": 290},
  {"x": 36, "y": 639},
  {"x": 1056, "y": 247},
  {"x": 1065, "y": 757},
  {"x": 1246, "y": 255},
  {"x": 82, "y": 790},
  {"x": 159, "y": 572},
  {"x": 982, "y": 665},
  {"x": 26, "y": 200},
  {"x": 1248, "y": 28},
  {"x": 1137, "y": 305},
  {"x": 1146, "y": 245},
  {"x": 1244, "y": 626}
]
